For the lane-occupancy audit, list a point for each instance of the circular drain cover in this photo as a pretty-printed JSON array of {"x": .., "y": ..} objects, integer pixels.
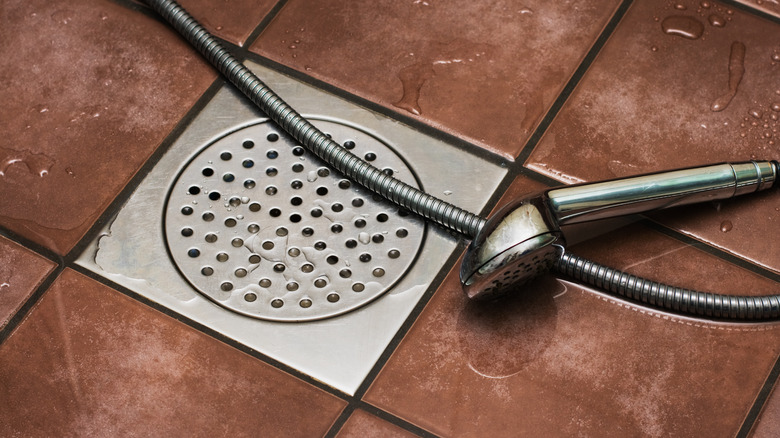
[{"x": 264, "y": 228}]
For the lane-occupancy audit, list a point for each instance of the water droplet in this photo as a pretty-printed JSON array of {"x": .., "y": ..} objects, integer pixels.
[
  {"x": 683, "y": 26},
  {"x": 755, "y": 113},
  {"x": 447, "y": 192},
  {"x": 680, "y": 7},
  {"x": 364, "y": 238},
  {"x": 736, "y": 71},
  {"x": 312, "y": 176},
  {"x": 726, "y": 226},
  {"x": 776, "y": 57},
  {"x": 705, "y": 5},
  {"x": 716, "y": 20}
]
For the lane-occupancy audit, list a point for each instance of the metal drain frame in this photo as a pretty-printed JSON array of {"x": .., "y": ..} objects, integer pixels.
[
  {"x": 265, "y": 299},
  {"x": 130, "y": 250}
]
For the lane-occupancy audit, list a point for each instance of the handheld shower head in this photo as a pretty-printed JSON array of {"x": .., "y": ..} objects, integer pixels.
[{"x": 524, "y": 239}]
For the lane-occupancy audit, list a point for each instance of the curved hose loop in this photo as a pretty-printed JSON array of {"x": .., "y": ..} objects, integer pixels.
[
  {"x": 443, "y": 213},
  {"x": 669, "y": 297},
  {"x": 313, "y": 139}
]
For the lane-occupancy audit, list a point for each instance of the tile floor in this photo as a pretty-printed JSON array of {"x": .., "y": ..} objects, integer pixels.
[{"x": 551, "y": 91}]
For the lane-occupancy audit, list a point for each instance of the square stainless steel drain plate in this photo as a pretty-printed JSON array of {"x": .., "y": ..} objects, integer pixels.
[{"x": 240, "y": 229}]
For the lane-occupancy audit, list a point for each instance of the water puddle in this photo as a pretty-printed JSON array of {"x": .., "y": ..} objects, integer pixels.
[
  {"x": 736, "y": 71},
  {"x": 36, "y": 164},
  {"x": 683, "y": 26}
]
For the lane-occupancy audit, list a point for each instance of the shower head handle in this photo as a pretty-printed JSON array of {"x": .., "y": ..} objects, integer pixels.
[{"x": 524, "y": 239}]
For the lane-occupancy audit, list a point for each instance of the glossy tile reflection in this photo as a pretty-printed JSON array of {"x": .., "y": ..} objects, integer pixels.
[
  {"x": 91, "y": 361},
  {"x": 361, "y": 424},
  {"x": 21, "y": 272}
]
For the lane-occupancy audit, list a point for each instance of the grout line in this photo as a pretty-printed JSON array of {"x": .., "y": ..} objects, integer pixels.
[
  {"x": 335, "y": 428},
  {"x": 31, "y": 245},
  {"x": 410, "y": 320},
  {"x": 211, "y": 332},
  {"x": 397, "y": 421},
  {"x": 269, "y": 17},
  {"x": 761, "y": 399},
  {"x": 30, "y": 303},
  {"x": 749, "y": 9},
  {"x": 571, "y": 85},
  {"x": 119, "y": 200}
]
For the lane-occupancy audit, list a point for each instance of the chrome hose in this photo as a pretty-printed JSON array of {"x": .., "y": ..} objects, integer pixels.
[{"x": 443, "y": 213}]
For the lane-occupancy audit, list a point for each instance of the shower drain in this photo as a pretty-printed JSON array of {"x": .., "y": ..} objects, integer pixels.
[{"x": 264, "y": 228}]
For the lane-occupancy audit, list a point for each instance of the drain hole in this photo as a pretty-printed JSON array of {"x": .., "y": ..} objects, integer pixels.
[
  {"x": 295, "y": 218},
  {"x": 322, "y": 191},
  {"x": 378, "y": 238},
  {"x": 378, "y": 272},
  {"x": 381, "y": 217},
  {"x": 351, "y": 243},
  {"x": 254, "y": 259},
  {"x": 230, "y": 222},
  {"x": 248, "y": 163},
  {"x": 297, "y": 167},
  {"x": 268, "y": 245},
  {"x": 214, "y": 196},
  {"x": 332, "y": 260},
  {"x": 292, "y": 286},
  {"x": 296, "y": 201},
  {"x": 294, "y": 252},
  {"x": 225, "y": 156},
  {"x": 271, "y": 171},
  {"x": 275, "y": 212},
  {"x": 307, "y": 232},
  {"x": 296, "y": 184},
  {"x": 365, "y": 257},
  {"x": 234, "y": 202},
  {"x": 272, "y": 154},
  {"x": 248, "y": 144},
  {"x": 281, "y": 231},
  {"x": 323, "y": 172},
  {"x": 207, "y": 171},
  {"x": 271, "y": 190},
  {"x": 360, "y": 223},
  {"x": 186, "y": 211},
  {"x": 298, "y": 151},
  {"x": 332, "y": 298},
  {"x": 358, "y": 287},
  {"x": 349, "y": 144},
  {"x": 208, "y": 216},
  {"x": 277, "y": 303},
  {"x": 186, "y": 232},
  {"x": 254, "y": 207},
  {"x": 336, "y": 228},
  {"x": 316, "y": 212},
  {"x": 307, "y": 268},
  {"x": 249, "y": 184},
  {"x": 240, "y": 272},
  {"x": 305, "y": 303},
  {"x": 226, "y": 286},
  {"x": 194, "y": 252},
  {"x": 222, "y": 257},
  {"x": 357, "y": 202},
  {"x": 344, "y": 184},
  {"x": 402, "y": 232},
  {"x": 320, "y": 283},
  {"x": 211, "y": 238},
  {"x": 394, "y": 253},
  {"x": 237, "y": 242},
  {"x": 370, "y": 156},
  {"x": 250, "y": 297},
  {"x": 194, "y": 190},
  {"x": 337, "y": 207},
  {"x": 345, "y": 273},
  {"x": 228, "y": 177},
  {"x": 207, "y": 271},
  {"x": 388, "y": 171},
  {"x": 320, "y": 245},
  {"x": 272, "y": 137},
  {"x": 264, "y": 282},
  {"x": 403, "y": 213},
  {"x": 279, "y": 267}
]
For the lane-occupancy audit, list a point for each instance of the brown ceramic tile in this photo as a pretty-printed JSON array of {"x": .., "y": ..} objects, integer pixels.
[
  {"x": 361, "y": 424},
  {"x": 563, "y": 360},
  {"x": 768, "y": 424},
  {"x": 646, "y": 104},
  {"x": 232, "y": 20},
  {"x": 485, "y": 71},
  {"x": 90, "y": 89},
  {"x": 771, "y": 7},
  {"x": 21, "y": 272},
  {"x": 90, "y": 361}
]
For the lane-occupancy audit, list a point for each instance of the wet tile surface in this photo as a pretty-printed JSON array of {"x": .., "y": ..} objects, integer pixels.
[
  {"x": 361, "y": 424},
  {"x": 655, "y": 99},
  {"x": 91, "y": 361},
  {"x": 564, "y": 360},
  {"x": 21, "y": 272},
  {"x": 90, "y": 90},
  {"x": 443, "y": 60},
  {"x": 768, "y": 424},
  {"x": 232, "y": 20},
  {"x": 771, "y": 7}
]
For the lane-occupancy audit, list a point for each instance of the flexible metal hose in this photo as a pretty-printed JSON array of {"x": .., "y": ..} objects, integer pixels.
[{"x": 443, "y": 213}]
